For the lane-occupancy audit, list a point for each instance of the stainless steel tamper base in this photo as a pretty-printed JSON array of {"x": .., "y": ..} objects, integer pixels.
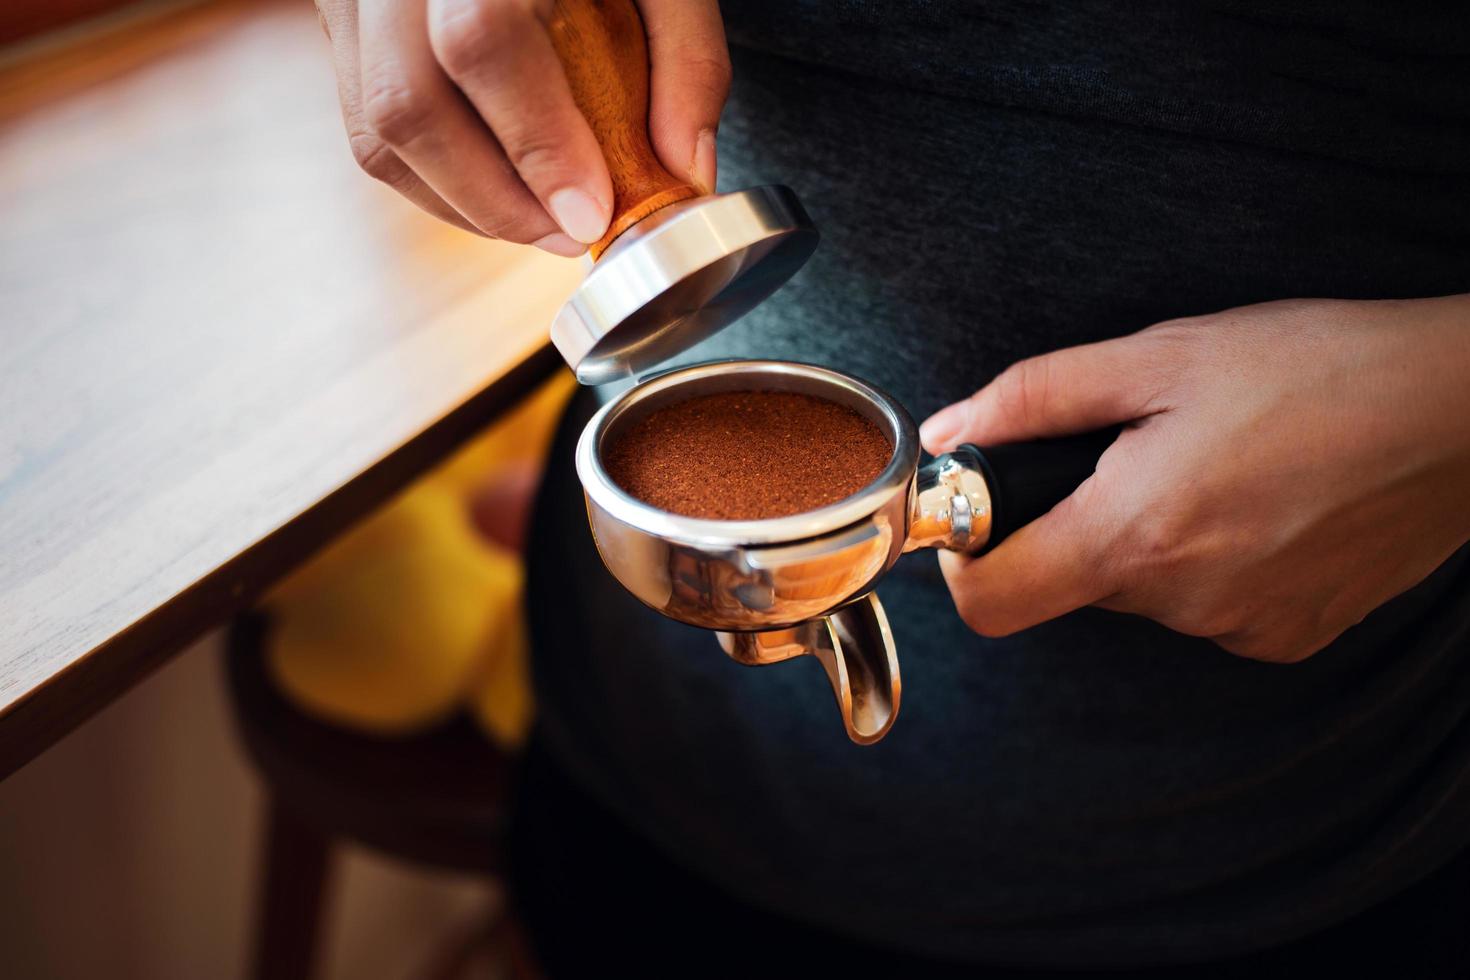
[{"x": 678, "y": 276}]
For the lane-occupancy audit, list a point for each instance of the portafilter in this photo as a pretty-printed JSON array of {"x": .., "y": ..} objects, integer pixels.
[{"x": 803, "y": 584}]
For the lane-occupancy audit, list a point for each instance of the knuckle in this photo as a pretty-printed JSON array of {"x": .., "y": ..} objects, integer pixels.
[
  {"x": 1210, "y": 621},
  {"x": 466, "y": 33},
  {"x": 532, "y": 153},
  {"x": 1167, "y": 534},
  {"x": 1278, "y": 645},
  {"x": 981, "y": 619},
  {"x": 1240, "y": 646},
  {"x": 377, "y": 159},
  {"x": 1156, "y": 540},
  {"x": 1306, "y": 644},
  {"x": 708, "y": 68},
  {"x": 1022, "y": 390},
  {"x": 396, "y": 113},
  {"x": 1294, "y": 654},
  {"x": 1156, "y": 543}
]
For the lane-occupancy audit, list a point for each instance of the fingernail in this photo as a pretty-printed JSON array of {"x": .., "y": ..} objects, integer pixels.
[
  {"x": 942, "y": 428},
  {"x": 578, "y": 214},
  {"x": 558, "y": 244},
  {"x": 703, "y": 169}
]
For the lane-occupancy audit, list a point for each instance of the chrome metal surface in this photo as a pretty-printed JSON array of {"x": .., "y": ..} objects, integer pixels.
[
  {"x": 793, "y": 585},
  {"x": 951, "y": 505},
  {"x": 680, "y": 275},
  {"x": 855, "y": 647}
]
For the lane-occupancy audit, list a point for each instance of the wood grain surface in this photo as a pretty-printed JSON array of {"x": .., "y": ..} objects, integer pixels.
[
  {"x": 604, "y": 49},
  {"x": 27, "y": 18},
  {"x": 220, "y": 344}
]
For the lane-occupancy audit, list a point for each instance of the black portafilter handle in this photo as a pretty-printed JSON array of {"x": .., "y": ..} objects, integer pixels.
[{"x": 1027, "y": 479}]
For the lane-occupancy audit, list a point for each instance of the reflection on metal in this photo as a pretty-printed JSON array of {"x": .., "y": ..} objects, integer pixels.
[
  {"x": 855, "y": 647},
  {"x": 793, "y": 585},
  {"x": 678, "y": 276},
  {"x": 952, "y": 505}
]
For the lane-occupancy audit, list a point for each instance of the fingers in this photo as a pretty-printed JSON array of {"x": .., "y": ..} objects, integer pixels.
[
  {"x": 500, "y": 56},
  {"x": 1068, "y": 391},
  {"x": 691, "y": 79},
  {"x": 376, "y": 158},
  {"x": 1058, "y": 562},
  {"x": 463, "y": 107},
  {"x": 1048, "y": 568},
  {"x": 412, "y": 106}
]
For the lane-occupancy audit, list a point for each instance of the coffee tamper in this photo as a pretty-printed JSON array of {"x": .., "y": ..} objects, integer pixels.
[{"x": 674, "y": 266}]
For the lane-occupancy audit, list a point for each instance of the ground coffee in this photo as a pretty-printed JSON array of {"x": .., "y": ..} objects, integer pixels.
[{"x": 745, "y": 455}]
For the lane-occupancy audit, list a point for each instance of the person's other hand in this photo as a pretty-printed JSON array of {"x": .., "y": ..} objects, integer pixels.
[
  {"x": 462, "y": 107},
  {"x": 1289, "y": 467}
]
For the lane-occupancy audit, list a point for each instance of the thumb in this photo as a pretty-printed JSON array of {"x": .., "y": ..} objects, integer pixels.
[
  {"x": 691, "y": 77},
  {"x": 1076, "y": 389}
]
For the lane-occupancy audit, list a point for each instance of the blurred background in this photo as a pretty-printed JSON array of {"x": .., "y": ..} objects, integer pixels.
[
  {"x": 131, "y": 849},
  {"x": 194, "y": 273}
]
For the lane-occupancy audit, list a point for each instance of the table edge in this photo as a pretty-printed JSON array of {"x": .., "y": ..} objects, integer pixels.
[{"x": 45, "y": 714}]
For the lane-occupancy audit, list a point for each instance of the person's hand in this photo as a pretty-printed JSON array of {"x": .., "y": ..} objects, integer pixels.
[
  {"x": 462, "y": 107},
  {"x": 1289, "y": 468}
]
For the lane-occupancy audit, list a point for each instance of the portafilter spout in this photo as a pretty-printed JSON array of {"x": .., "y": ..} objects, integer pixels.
[{"x": 854, "y": 646}]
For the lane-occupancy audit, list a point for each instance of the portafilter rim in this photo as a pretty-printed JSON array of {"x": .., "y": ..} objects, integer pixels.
[{"x": 896, "y": 477}]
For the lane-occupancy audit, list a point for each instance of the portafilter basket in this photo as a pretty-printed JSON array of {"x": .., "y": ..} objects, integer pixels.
[{"x": 803, "y": 584}]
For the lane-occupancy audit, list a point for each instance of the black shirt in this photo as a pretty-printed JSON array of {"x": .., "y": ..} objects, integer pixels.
[{"x": 996, "y": 180}]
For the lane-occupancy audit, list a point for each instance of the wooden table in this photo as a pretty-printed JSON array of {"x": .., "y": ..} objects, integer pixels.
[{"x": 220, "y": 344}]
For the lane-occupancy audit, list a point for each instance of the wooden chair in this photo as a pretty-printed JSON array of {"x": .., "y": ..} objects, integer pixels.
[{"x": 440, "y": 799}]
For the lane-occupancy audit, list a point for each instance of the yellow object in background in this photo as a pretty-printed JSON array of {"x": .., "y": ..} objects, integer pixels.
[
  {"x": 391, "y": 633},
  {"x": 415, "y": 614},
  {"x": 501, "y": 697}
]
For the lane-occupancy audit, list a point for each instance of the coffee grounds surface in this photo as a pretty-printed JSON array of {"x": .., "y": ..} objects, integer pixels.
[{"x": 747, "y": 455}]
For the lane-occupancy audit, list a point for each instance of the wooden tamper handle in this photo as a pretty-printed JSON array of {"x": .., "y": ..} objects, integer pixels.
[{"x": 604, "y": 50}]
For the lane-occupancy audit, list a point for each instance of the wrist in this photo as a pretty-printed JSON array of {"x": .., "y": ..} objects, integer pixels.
[{"x": 1426, "y": 367}]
